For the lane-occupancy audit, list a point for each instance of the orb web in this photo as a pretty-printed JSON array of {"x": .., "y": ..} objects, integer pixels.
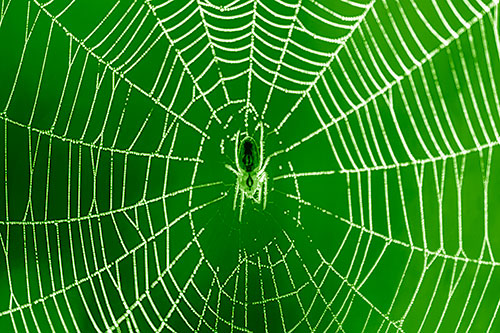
[{"x": 380, "y": 120}]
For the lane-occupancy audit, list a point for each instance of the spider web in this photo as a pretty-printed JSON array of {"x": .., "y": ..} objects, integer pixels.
[{"x": 381, "y": 122}]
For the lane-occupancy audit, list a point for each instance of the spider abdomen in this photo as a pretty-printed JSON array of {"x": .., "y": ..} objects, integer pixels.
[{"x": 249, "y": 154}]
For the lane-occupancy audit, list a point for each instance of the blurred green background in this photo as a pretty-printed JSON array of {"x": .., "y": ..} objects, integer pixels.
[{"x": 118, "y": 118}]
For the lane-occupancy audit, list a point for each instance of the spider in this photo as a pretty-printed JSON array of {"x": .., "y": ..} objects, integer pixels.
[{"x": 251, "y": 176}]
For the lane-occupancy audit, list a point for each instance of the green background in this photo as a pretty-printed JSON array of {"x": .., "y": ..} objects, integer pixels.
[{"x": 117, "y": 121}]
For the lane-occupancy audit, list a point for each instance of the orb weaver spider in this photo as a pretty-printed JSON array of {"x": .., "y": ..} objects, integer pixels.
[{"x": 251, "y": 176}]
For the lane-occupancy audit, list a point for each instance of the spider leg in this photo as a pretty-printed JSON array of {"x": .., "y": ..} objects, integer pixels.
[
  {"x": 257, "y": 195},
  {"x": 261, "y": 145},
  {"x": 264, "y": 166},
  {"x": 260, "y": 194},
  {"x": 237, "y": 187},
  {"x": 265, "y": 192},
  {"x": 230, "y": 168},
  {"x": 242, "y": 202},
  {"x": 236, "y": 146},
  {"x": 266, "y": 162}
]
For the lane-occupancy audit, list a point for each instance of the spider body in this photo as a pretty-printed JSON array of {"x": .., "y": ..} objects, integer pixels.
[{"x": 251, "y": 177}]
